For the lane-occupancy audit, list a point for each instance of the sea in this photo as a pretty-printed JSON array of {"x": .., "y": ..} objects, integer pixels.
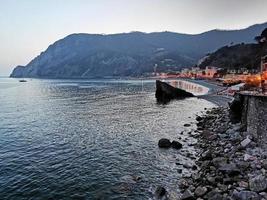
[{"x": 91, "y": 139}]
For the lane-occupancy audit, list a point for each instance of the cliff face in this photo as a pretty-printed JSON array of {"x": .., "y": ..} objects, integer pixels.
[{"x": 129, "y": 54}]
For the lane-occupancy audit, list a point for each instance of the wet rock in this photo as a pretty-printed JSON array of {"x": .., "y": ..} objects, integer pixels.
[
  {"x": 245, "y": 195},
  {"x": 200, "y": 191},
  {"x": 164, "y": 143},
  {"x": 160, "y": 192},
  {"x": 187, "y": 195},
  {"x": 187, "y": 125},
  {"x": 199, "y": 118},
  {"x": 128, "y": 179},
  {"x": 176, "y": 145},
  {"x": 137, "y": 178},
  {"x": 258, "y": 183}
]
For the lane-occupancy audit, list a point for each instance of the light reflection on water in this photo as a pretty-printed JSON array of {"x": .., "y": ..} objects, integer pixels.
[{"x": 66, "y": 139}]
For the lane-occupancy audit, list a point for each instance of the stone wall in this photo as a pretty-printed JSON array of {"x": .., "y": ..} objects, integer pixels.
[{"x": 254, "y": 117}]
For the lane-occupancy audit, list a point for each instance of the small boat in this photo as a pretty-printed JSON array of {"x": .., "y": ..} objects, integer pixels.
[{"x": 22, "y": 80}]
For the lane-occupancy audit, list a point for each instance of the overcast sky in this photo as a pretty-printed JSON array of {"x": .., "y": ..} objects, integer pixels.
[{"x": 27, "y": 27}]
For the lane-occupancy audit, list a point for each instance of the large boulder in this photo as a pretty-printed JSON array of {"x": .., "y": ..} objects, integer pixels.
[
  {"x": 258, "y": 183},
  {"x": 164, "y": 143},
  {"x": 176, "y": 145},
  {"x": 160, "y": 192},
  {"x": 165, "y": 92}
]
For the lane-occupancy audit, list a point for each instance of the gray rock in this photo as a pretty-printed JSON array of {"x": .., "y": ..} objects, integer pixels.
[
  {"x": 245, "y": 195},
  {"x": 187, "y": 195},
  {"x": 198, "y": 118},
  {"x": 183, "y": 184},
  {"x": 219, "y": 161},
  {"x": 160, "y": 192},
  {"x": 214, "y": 195},
  {"x": 207, "y": 155},
  {"x": 263, "y": 194},
  {"x": 243, "y": 184},
  {"x": 187, "y": 165},
  {"x": 164, "y": 143},
  {"x": 248, "y": 157},
  {"x": 176, "y": 145},
  {"x": 245, "y": 142},
  {"x": 264, "y": 164},
  {"x": 229, "y": 169},
  {"x": 258, "y": 183},
  {"x": 200, "y": 191},
  {"x": 211, "y": 180}
]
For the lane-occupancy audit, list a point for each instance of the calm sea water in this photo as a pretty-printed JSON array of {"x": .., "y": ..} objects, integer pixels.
[{"x": 77, "y": 139}]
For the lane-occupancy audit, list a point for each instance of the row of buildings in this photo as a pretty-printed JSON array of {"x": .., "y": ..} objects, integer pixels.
[
  {"x": 210, "y": 72},
  {"x": 193, "y": 72}
]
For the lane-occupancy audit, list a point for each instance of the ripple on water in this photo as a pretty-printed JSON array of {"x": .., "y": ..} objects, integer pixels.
[{"x": 89, "y": 140}]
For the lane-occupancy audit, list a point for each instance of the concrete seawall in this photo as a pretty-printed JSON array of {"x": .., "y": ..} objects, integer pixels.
[{"x": 195, "y": 88}]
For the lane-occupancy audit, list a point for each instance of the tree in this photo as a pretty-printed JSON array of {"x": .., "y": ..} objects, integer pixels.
[{"x": 262, "y": 38}]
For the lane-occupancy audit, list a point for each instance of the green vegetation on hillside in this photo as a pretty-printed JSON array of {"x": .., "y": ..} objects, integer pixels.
[{"x": 239, "y": 56}]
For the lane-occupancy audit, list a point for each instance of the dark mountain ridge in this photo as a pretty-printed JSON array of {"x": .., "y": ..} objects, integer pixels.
[
  {"x": 128, "y": 54},
  {"x": 246, "y": 56}
]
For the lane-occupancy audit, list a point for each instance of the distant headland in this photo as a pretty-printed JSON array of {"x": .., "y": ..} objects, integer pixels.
[{"x": 129, "y": 54}]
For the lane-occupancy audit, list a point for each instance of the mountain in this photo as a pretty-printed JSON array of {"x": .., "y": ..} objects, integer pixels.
[
  {"x": 239, "y": 56},
  {"x": 128, "y": 54},
  {"x": 236, "y": 57}
]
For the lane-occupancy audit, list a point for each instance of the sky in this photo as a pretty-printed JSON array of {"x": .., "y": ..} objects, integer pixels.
[{"x": 28, "y": 27}]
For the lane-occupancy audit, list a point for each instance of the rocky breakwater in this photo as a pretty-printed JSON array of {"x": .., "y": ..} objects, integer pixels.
[
  {"x": 165, "y": 92},
  {"x": 231, "y": 164}
]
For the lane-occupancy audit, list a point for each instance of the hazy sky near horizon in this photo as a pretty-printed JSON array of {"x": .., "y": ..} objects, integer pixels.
[{"x": 28, "y": 27}]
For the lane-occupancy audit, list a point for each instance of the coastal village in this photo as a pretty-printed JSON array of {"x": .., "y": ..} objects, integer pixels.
[{"x": 235, "y": 79}]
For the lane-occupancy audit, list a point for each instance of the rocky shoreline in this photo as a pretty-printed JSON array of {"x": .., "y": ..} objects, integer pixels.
[{"x": 230, "y": 165}]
